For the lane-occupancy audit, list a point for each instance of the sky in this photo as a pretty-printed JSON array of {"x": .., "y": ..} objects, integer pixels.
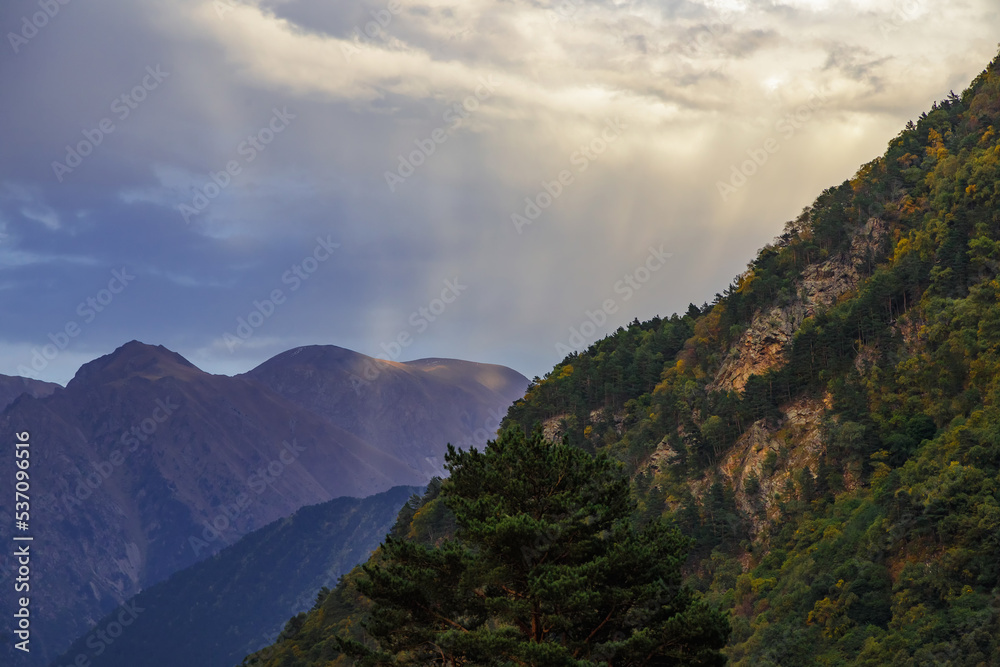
[{"x": 495, "y": 180}]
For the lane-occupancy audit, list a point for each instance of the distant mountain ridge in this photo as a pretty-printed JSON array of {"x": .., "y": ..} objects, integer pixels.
[
  {"x": 144, "y": 464},
  {"x": 12, "y": 387},
  {"x": 218, "y": 610},
  {"x": 366, "y": 397}
]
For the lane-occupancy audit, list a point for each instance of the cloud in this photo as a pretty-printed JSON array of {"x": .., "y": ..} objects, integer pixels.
[{"x": 697, "y": 83}]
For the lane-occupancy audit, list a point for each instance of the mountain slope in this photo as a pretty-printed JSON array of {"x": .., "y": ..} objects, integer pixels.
[
  {"x": 827, "y": 428},
  {"x": 11, "y": 387},
  {"x": 142, "y": 451},
  {"x": 217, "y": 610},
  {"x": 408, "y": 410},
  {"x": 145, "y": 464},
  {"x": 827, "y": 433}
]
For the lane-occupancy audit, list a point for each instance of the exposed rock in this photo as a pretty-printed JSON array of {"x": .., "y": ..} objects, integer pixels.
[
  {"x": 912, "y": 330},
  {"x": 866, "y": 359},
  {"x": 552, "y": 428},
  {"x": 660, "y": 459},
  {"x": 762, "y": 346},
  {"x": 616, "y": 419},
  {"x": 759, "y": 349},
  {"x": 797, "y": 442}
]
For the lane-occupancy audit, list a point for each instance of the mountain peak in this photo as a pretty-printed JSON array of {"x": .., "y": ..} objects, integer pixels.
[
  {"x": 135, "y": 358},
  {"x": 320, "y": 357}
]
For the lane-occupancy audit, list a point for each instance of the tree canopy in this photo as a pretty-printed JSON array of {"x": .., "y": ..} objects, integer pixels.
[{"x": 548, "y": 567}]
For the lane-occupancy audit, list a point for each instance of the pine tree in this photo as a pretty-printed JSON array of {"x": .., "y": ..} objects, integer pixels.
[{"x": 548, "y": 568}]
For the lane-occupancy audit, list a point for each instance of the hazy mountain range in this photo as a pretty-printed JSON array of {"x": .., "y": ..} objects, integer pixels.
[
  {"x": 143, "y": 464},
  {"x": 219, "y": 610}
]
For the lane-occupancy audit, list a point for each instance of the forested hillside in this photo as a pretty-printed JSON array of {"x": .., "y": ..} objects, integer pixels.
[{"x": 827, "y": 431}]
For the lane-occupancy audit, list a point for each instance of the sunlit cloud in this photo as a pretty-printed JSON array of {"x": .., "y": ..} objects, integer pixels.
[{"x": 517, "y": 94}]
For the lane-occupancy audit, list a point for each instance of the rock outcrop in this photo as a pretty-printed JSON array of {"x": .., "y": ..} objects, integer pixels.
[{"x": 761, "y": 347}]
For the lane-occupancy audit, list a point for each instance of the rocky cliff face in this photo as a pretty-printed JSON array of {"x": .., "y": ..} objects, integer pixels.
[
  {"x": 772, "y": 454},
  {"x": 761, "y": 347}
]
